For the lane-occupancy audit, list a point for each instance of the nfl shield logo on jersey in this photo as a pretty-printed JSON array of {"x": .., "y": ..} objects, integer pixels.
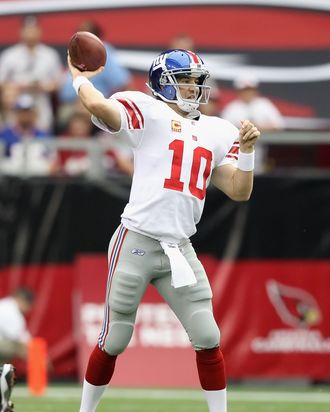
[{"x": 176, "y": 126}]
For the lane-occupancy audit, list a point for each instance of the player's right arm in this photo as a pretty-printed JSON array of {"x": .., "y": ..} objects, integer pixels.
[{"x": 94, "y": 101}]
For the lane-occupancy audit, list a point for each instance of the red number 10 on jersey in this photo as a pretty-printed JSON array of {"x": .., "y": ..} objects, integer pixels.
[{"x": 174, "y": 181}]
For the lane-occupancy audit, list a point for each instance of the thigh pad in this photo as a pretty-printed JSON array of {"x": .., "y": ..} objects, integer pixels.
[{"x": 126, "y": 292}]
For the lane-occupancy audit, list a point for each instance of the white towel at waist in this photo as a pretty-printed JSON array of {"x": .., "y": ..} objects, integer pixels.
[{"x": 182, "y": 273}]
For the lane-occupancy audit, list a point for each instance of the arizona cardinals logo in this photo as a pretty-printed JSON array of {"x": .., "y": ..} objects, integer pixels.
[{"x": 295, "y": 306}]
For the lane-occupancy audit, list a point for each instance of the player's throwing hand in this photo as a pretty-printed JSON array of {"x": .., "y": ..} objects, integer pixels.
[{"x": 76, "y": 72}]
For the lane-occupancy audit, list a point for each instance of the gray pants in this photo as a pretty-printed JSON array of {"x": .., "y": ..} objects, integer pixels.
[{"x": 135, "y": 261}]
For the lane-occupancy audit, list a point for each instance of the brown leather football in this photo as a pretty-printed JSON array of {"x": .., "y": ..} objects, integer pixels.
[{"x": 87, "y": 52}]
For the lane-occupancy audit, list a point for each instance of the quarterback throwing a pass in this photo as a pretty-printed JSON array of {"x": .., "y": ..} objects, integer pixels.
[{"x": 177, "y": 152}]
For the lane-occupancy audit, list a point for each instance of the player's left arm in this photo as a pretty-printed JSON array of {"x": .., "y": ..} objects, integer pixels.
[{"x": 234, "y": 182}]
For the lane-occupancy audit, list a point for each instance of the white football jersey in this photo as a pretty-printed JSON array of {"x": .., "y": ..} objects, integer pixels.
[{"x": 173, "y": 161}]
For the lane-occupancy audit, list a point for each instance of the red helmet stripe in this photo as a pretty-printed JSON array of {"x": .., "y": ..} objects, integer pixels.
[{"x": 194, "y": 56}]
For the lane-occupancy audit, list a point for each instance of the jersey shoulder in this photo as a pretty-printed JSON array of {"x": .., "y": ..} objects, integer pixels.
[
  {"x": 139, "y": 98},
  {"x": 224, "y": 136},
  {"x": 137, "y": 109}
]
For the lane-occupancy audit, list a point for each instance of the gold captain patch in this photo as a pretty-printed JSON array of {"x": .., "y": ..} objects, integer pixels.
[{"x": 176, "y": 126}]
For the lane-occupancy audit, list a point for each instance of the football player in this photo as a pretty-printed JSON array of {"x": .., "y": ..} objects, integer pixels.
[{"x": 177, "y": 152}]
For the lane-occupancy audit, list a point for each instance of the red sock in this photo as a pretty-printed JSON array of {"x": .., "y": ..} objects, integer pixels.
[
  {"x": 100, "y": 367},
  {"x": 211, "y": 369}
]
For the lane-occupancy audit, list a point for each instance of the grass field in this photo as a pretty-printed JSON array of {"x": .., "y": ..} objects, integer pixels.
[{"x": 66, "y": 399}]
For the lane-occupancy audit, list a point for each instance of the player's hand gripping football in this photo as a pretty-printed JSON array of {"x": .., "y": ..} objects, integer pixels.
[
  {"x": 248, "y": 135},
  {"x": 76, "y": 72}
]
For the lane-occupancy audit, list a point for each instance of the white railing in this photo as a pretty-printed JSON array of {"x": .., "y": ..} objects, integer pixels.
[
  {"x": 36, "y": 156},
  {"x": 296, "y": 138},
  {"x": 28, "y": 165}
]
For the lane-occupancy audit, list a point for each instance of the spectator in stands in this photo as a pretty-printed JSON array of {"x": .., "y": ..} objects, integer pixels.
[
  {"x": 250, "y": 105},
  {"x": 14, "y": 334},
  {"x": 182, "y": 41},
  {"x": 34, "y": 68},
  {"x": 24, "y": 149},
  {"x": 259, "y": 110},
  {"x": 75, "y": 162},
  {"x": 114, "y": 77},
  {"x": 8, "y": 97},
  {"x": 118, "y": 160}
]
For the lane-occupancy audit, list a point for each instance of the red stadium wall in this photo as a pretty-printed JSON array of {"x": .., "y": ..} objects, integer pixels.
[
  {"x": 213, "y": 26},
  {"x": 275, "y": 322}
]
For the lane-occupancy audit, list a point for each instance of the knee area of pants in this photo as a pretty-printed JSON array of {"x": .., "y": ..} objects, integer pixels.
[
  {"x": 118, "y": 338},
  {"x": 204, "y": 333}
]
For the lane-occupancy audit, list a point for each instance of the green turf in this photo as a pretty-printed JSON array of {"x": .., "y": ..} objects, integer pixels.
[
  {"x": 66, "y": 399},
  {"x": 276, "y": 407},
  {"x": 140, "y": 405}
]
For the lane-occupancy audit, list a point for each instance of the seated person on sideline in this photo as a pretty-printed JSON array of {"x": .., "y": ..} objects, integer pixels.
[
  {"x": 14, "y": 334},
  {"x": 24, "y": 150},
  {"x": 177, "y": 151},
  {"x": 14, "y": 339}
]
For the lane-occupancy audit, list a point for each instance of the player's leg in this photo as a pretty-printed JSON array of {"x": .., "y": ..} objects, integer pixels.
[
  {"x": 7, "y": 381},
  {"x": 193, "y": 307},
  {"x": 130, "y": 265}
]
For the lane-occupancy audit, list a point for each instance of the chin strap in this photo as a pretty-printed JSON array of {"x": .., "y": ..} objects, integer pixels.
[{"x": 194, "y": 115}]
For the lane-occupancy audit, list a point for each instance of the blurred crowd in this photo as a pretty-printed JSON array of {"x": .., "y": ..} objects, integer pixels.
[{"x": 38, "y": 103}]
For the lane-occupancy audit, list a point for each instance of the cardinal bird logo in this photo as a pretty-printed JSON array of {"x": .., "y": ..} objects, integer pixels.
[{"x": 296, "y": 307}]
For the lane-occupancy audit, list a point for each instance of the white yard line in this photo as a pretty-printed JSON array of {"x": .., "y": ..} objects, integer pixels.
[{"x": 63, "y": 393}]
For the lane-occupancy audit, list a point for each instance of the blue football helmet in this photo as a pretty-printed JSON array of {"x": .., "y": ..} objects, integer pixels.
[{"x": 166, "y": 71}]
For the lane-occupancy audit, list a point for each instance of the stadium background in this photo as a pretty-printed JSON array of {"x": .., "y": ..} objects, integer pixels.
[{"x": 268, "y": 260}]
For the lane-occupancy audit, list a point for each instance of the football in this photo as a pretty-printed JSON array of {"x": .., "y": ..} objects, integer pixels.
[{"x": 87, "y": 52}]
